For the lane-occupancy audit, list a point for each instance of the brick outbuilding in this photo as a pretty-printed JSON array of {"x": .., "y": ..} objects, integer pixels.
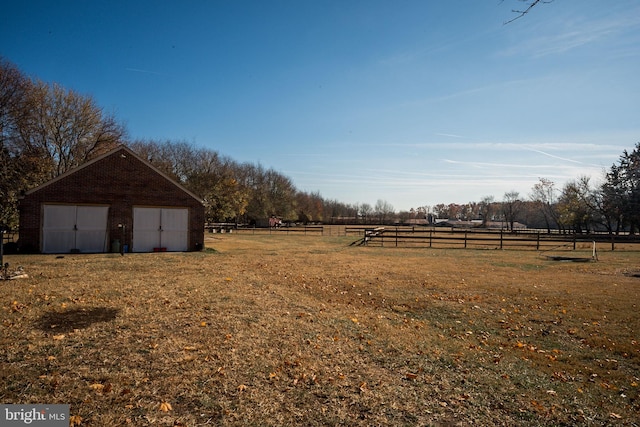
[{"x": 115, "y": 199}]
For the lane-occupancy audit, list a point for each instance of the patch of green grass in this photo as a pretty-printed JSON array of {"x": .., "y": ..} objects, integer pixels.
[{"x": 521, "y": 266}]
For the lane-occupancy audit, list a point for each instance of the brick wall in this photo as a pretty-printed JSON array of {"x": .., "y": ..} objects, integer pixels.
[{"x": 120, "y": 180}]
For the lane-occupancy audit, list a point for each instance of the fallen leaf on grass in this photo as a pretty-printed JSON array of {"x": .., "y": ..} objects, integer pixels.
[
  {"x": 97, "y": 386},
  {"x": 190, "y": 348},
  {"x": 242, "y": 387},
  {"x": 411, "y": 376},
  {"x": 75, "y": 420},
  {"x": 614, "y": 415},
  {"x": 166, "y": 407},
  {"x": 537, "y": 405},
  {"x": 58, "y": 337}
]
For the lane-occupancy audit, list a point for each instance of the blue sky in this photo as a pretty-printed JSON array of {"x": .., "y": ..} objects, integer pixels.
[{"x": 414, "y": 102}]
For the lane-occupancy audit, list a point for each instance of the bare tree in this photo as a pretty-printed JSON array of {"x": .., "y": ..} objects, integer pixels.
[
  {"x": 384, "y": 210},
  {"x": 14, "y": 169},
  {"x": 543, "y": 194},
  {"x": 64, "y": 128},
  {"x": 365, "y": 211},
  {"x": 511, "y": 206},
  {"x": 485, "y": 209}
]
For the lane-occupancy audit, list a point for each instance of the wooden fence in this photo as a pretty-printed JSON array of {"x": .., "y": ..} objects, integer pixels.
[
  {"x": 449, "y": 237},
  {"x": 488, "y": 239},
  {"x": 317, "y": 230}
]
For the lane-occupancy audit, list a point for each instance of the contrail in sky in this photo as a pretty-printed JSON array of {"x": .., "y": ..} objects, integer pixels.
[
  {"x": 559, "y": 158},
  {"x": 137, "y": 70}
]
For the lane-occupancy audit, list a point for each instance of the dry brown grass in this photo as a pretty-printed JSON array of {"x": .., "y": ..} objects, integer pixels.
[{"x": 295, "y": 330}]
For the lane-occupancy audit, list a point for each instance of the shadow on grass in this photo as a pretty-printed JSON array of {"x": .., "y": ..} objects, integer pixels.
[{"x": 66, "y": 321}]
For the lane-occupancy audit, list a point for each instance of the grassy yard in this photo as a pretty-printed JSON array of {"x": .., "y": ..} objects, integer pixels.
[{"x": 305, "y": 330}]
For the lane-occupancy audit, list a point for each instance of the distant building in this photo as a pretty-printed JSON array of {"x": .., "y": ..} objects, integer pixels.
[{"x": 272, "y": 222}]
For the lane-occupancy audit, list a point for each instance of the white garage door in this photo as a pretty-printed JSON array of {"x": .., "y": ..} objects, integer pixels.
[
  {"x": 166, "y": 228},
  {"x": 70, "y": 227}
]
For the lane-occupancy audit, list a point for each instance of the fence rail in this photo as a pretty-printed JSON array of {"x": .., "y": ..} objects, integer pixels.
[
  {"x": 448, "y": 237},
  {"x": 303, "y": 229},
  {"x": 451, "y": 238}
]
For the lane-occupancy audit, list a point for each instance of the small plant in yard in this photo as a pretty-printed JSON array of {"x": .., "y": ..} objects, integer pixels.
[{"x": 294, "y": 330}]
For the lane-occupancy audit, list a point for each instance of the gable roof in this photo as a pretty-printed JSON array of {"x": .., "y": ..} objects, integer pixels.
[{"x": 126, "y": 151}]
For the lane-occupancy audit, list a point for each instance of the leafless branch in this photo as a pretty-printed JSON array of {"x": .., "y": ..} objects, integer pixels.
[{"x": 530, "y": 5}]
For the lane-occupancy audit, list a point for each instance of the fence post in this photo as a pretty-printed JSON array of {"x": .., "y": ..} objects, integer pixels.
[
  {"x": 465, "y": 239},
  {"x": 501, "y": 232},
  {"x": 574, "y": 240},
  {"x": 396, "y": 237},
  {"x": 430, "y": 237},
  {"x": 538, "y": 242},
  {"x": 1, "y": 249},
  {"x": 613, "y": 242}
]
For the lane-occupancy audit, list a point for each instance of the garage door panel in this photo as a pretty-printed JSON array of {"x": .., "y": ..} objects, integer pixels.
[
  {"x": 91, "y": 235},
  {"x": 91, "y": 241},
  {"x": 58, "y": 241},
  {"x": 147, "y": 219},
  {"x": 175, "y": 223},
  {"x": 146, "y": 226},
  {"x": 175, "y": 240},
  {"x": 58, "y": 233},
  {"x": 175, "y": 219},
  {"x": 70, "y": 227},
  {"x": 59, "y": 217},
  {"x": 160, "y": 227},
  {"x": 145, "y": 241},
  {"x": 92, "y": 217}
]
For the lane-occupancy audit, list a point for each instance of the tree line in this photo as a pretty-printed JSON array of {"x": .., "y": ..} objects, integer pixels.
[
  {"x": 46, "y": 130},
  {"x": 580, "y": 206}
]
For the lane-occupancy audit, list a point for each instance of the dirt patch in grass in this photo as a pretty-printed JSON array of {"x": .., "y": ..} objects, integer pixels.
[{"x": 293, "y": 330}]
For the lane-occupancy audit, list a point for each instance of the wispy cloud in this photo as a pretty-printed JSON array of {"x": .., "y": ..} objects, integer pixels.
[
  {"x": 449, "y": 135},
  {"x": 577, "y": 33},
  {"x": 490, "y": 165}
]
